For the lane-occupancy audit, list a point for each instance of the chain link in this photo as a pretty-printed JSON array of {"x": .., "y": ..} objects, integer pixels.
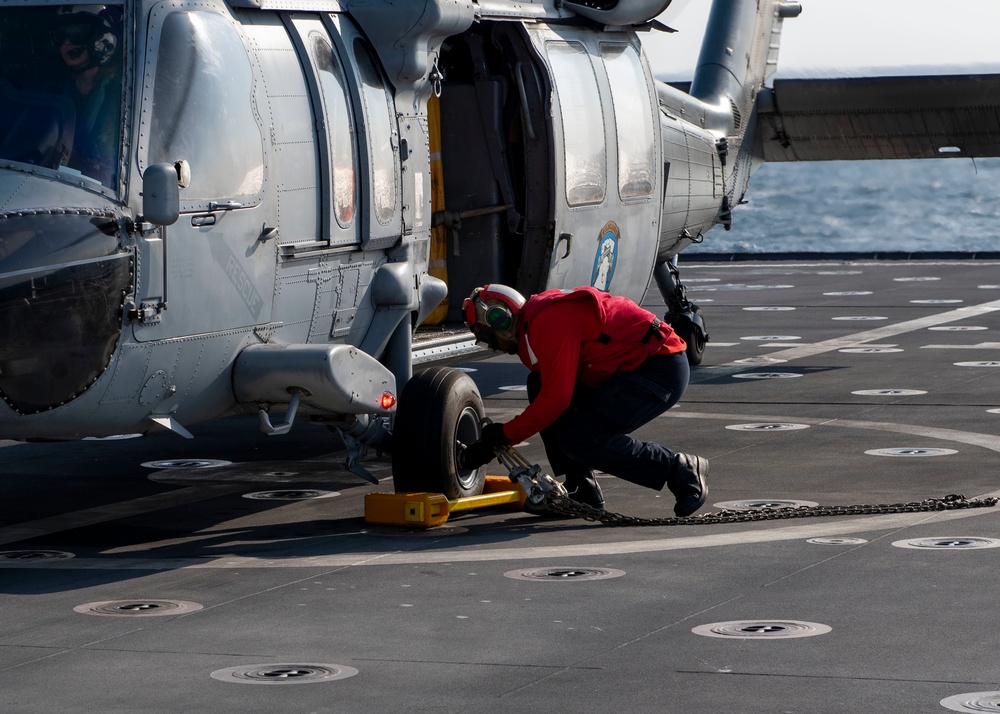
[
  {"x": 565, "y": 506},
  {"x": 547, "y": 496}
]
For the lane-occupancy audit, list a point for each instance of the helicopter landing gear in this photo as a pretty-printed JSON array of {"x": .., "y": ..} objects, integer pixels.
[
  {"x": 438, "y": 408},
  {"x": 682, "y": 314}
]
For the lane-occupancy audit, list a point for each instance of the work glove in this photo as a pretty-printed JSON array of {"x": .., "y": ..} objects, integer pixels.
[{"x": 484, "y": 450}]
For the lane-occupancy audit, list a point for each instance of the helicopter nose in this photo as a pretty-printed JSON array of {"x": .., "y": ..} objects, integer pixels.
[{"x": 63, "y": 280}]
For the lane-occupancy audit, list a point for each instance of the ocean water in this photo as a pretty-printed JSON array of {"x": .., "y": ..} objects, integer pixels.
[{"x": 865, "y": 206}]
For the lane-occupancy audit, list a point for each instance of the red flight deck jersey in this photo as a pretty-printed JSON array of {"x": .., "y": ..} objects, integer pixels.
[{"x": 582, "y": 335}]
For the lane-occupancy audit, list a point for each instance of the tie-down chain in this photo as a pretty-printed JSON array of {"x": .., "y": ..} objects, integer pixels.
[{"x": 548, "y": 496}]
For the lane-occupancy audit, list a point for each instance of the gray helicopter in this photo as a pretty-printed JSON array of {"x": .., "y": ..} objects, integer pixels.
[{"x": 222, "y": 207}]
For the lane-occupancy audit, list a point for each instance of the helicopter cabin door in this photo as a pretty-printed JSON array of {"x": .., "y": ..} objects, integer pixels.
[
  {"x": 606, "y": 158},
  {"x": 203, "y": 108}
]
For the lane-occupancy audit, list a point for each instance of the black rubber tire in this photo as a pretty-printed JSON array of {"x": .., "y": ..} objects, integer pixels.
[
  {"x": 438, "y": 407},
  {"x": 695, "y": 338}
]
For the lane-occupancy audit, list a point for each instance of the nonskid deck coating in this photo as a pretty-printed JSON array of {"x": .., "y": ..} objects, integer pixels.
[{"x": 430, "y": 622}]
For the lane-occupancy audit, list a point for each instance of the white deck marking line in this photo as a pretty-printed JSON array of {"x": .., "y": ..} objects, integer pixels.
[
  {"x": 980, "y": 346},
  {"x": 986, "y": 441},
  {"x": 782, "y": 268},
  {"x": 832, "y": 527},
  {"x": 114, "y": 511},
  {"x": 882, "y": 333}
]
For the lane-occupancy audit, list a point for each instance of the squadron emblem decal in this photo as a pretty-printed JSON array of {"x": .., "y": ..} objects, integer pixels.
[{"x": 606, "y": 258}]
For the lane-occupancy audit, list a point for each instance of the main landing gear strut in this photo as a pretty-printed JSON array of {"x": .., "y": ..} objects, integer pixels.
[{"x": 682, "y": 314}]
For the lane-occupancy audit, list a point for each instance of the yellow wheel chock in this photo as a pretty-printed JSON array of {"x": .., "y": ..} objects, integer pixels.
[{"x": 432, "y": 509}]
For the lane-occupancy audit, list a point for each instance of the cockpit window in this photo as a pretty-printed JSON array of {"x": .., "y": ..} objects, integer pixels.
[{"x": 61, "y": 88}]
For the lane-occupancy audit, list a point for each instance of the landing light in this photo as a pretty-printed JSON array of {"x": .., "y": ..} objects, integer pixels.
[
  {"x": 388, "y": 400},
  {"x": 949, "y": 150}
]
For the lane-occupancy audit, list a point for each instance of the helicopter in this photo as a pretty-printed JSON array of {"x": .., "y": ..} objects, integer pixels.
[{"x": 275, "y": 207}]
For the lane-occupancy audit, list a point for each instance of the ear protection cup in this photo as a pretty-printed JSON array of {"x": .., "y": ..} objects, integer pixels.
[
  {"x": 469, "y": 311},
  {"x": 491, "y": 313},
  {"x": 95, "y": 27}
]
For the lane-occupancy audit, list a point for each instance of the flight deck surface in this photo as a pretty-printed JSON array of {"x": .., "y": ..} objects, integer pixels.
[{"x": 216, "y": 586}]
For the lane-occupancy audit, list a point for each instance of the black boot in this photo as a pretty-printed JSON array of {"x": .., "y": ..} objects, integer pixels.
[
  {"x": 583, "y": 488},
  {"x": 687, "y": 483}
]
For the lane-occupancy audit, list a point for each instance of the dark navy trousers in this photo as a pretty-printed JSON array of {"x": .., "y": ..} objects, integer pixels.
[{"x": 593, "y": 433}]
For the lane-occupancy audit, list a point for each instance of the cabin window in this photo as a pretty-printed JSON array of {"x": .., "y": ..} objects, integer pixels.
[
  {"x": 582, "y": 120},
  {"x": 203, "y": 107},
  {"x": 61, "y": 88},
  {"x": 633, "y": 120},
  {"x": 381, "y": 132},
  {"x": 340, "y": 125}
]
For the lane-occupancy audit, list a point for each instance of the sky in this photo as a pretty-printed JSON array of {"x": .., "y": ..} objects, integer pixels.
[{"x": 852, "y": 38}]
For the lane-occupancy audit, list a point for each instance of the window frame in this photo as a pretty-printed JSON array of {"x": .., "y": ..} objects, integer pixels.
[
  {"x": 117, "y": 187},
  {"x": 373, "y": 113},
  {"x": 375, "y": 234},
  {"x": 563, "y": 87},
  {"x": 302, "y": 28},
  {"x": 623, "y": 131}
]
